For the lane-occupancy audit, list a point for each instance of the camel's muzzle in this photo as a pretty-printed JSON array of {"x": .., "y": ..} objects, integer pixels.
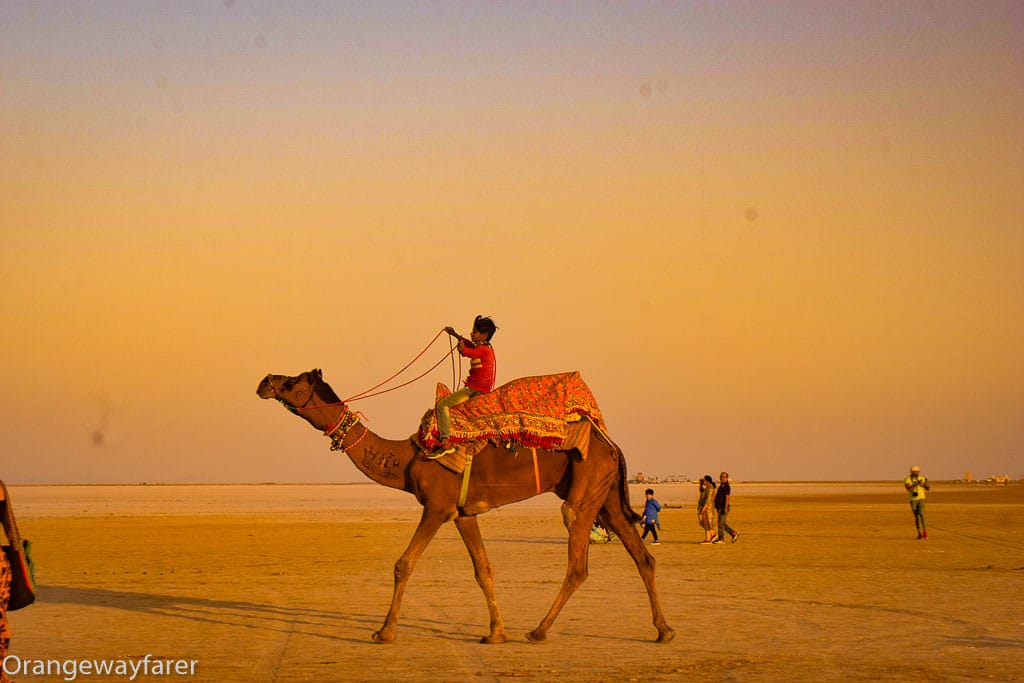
[{"x": 266, "y": 389}]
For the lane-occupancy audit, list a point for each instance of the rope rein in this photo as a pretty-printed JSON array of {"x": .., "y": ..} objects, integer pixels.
[
  {"x": 367, "y": 393},
  {"x": 370, "y": 393},
  {"x": 433, "y": 367}
]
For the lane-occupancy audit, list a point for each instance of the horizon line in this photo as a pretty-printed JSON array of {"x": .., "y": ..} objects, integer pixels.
[{"x": 372, "y": 483}]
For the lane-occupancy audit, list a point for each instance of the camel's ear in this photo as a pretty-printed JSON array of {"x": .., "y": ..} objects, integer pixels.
[{"x": 318, "y": 373}]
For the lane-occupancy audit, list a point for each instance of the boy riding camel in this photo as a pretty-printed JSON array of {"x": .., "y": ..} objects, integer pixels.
[{"x": 482, "y": 371}]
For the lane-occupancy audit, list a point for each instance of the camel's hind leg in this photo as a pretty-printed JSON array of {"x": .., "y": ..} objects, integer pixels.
[
  {"x": 430, "y": 522},
  {"x": 470, "y": 532},
  {"x": 615, "y": 519},
  {"x": 579, "y": 521}
]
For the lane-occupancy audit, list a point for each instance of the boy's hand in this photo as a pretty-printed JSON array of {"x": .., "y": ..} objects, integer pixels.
[{"x": 451, "y": 330}]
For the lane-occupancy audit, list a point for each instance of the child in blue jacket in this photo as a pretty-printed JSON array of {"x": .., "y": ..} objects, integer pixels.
[{"x": 651, "y": 510}]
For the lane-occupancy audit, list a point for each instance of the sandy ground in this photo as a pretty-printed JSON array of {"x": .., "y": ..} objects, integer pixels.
[{"x": 286, "y": 583}]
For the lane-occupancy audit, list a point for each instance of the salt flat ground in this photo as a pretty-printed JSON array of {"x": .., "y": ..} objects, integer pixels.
[{"x": 287, "y": 583}]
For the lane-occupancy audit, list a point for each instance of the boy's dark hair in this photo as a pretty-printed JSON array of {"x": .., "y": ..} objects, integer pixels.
[
  {"x": 485, "y": 325},
  {"x": 649, "y": 492}
]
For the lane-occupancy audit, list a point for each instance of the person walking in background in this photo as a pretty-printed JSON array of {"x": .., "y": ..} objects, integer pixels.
[
  {"x": 705, "y": 505},
  {"x": 722, "y": 496},
  {"x": 916, "y": 485},
  {"x": 651, "y": 509}
]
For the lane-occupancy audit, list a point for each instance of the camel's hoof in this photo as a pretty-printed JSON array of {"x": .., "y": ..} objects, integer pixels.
[
  {"x": 382, "y": 637},
  {"x": 494, "y": 638},
  {"x": 535, "y": 637},
  {"x": 666, "y": 636}
]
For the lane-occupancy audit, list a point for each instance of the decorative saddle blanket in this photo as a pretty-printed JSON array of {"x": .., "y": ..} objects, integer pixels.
[
  {"x": 535, "y": 412},
  {"x": 578, "y": 435}
]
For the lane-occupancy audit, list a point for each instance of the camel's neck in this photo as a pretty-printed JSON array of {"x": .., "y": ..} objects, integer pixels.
[{"x": 383, "y": 460}]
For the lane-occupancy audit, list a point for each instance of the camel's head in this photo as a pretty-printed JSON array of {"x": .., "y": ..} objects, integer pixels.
[{"x": 293, "y": 392}]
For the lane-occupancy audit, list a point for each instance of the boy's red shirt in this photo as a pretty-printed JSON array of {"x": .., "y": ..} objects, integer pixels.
[{"x": 482, "y": 366}]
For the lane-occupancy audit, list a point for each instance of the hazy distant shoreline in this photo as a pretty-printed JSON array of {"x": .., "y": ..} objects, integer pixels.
[
  {"x": 361, "y": 483},
  {"x": 329, "y": 500},
  {"x": 795, "y": 482}
]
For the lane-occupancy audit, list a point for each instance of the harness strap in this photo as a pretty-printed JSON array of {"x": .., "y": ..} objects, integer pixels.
[
  {"x": 536, "y": 469},
  {"x": 465, "y": 480}
]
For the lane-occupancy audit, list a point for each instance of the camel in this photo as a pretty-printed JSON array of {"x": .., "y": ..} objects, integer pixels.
[{"x": 591, "y": 487}]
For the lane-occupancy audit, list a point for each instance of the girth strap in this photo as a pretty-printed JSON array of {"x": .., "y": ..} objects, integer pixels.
[
  {"x": 465, "y": 479},
  {"x": 536, "y": 469}
]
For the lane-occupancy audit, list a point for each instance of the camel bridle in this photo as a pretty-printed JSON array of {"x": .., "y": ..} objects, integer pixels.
[
  {"x": 294, "y": 410},
  {"x": 340, "y": 429}
]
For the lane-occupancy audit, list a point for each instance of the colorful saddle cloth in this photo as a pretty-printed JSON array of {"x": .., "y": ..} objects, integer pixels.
[{"x": 533, "y": 411}]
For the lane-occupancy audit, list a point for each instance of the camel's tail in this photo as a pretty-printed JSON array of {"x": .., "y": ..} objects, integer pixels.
[
  {"x": 627, "y": 509},
  {"x": 624, "y": 488}
]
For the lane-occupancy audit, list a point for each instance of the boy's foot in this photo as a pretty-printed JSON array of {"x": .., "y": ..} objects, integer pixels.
[
  {"x": 718, "y": 541},
  {"x": 443, "y": 447},
  {"x": 924, "y": 535},
  {"x": 734, "y": 537},
  {"x": 704, "y": 541},
  {"x": 655, "y": 542}
]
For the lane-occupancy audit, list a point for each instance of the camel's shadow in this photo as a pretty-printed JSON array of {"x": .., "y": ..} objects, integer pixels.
[
  {"x": 258, "y": 616},
  {"x": 554, "y": 540}
]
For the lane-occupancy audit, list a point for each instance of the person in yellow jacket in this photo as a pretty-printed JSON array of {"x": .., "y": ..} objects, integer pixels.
[{"x": 916, "y": 485}]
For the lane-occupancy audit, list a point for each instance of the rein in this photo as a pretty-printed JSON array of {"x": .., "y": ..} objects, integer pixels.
[
  {"x": 368, "y": 393},
  {"x": 349, "y": 419}
]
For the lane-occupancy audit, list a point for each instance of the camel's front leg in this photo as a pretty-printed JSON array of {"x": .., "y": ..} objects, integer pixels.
[
  {"x": 430, "y": 522},
  {"x": 470, "y": 532}
]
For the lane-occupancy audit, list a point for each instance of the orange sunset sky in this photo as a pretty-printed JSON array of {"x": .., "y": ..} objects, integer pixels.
[{"x": 784, "y": 239}]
